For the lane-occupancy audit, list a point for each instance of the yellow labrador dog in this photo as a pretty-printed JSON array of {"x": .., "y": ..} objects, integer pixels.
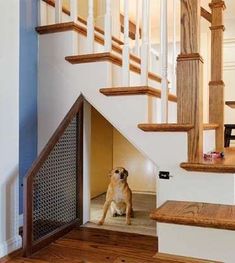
[{"x": 118, "y": 196}]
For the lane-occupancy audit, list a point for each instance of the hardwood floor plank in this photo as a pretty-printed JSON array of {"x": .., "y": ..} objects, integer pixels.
[
  {"x": 94, "y": 247},
  {"x": 26, "y": 260},
  {"x": 114, "y": 238},
  {"x": 90, "y": 245},
  {"x": 56, "y": 253}
]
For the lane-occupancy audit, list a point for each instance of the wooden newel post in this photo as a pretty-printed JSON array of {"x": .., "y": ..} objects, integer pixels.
[
  {"x": 190, "y": 79},
  {"x": 216, "y": 85}
]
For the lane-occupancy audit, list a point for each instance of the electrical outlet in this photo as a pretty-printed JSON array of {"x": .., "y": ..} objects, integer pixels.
[{"x": 164, "y": 175}]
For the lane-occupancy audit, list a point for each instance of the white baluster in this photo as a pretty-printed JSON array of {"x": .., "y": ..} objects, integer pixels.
[
  {"x": 173, "y": 78},
  {"x": 164, "y": 62},
  {"x": 41, "y": 13},
  {"x": 74, "y": 18},
  {"x": 58, "y": 11},
  {"x": 126, "y": 48},
  {"x": 145, "y": 42},
  {"x": 74, "y": 10},
  {"x": 108, "y": 27},
  {"x": 137, "y": 28},
  {"x": 90, "y": 27}
]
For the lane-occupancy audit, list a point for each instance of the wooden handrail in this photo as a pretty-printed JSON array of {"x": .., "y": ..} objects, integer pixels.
[
  {"x": 30, "y": 245},
  {"x": 206, "y": 14},
  {"x": 132, "y": 27}
]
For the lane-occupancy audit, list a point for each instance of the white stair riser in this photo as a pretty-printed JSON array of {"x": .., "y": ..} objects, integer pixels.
[{"x": 205, "y": 243}]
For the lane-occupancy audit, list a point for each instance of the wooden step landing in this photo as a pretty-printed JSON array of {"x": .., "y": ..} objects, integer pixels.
[
  {"x": 167, "y": 258},
  {"x": 110, "y": 57},
  {"x": 162, "y": 127},
  {"x": 137, "y": 90},
  {"x": 225, "y": 165},
  {"x": 196, "y": 214},
  {"x": 208, "y": 167}
]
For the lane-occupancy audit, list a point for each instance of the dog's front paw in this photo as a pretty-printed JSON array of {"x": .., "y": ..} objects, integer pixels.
[
  {"x": 128, "y": 222},
  {"x": 101, "y": 222}
]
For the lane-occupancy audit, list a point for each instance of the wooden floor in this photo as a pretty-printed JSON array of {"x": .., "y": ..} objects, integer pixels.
[
  {"x": 143, "y": 204},
  {"x": 87, "y": 245}
]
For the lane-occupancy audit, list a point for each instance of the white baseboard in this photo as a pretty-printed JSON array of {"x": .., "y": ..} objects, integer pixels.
[
  {"x": 10, "y": 245},
  {"x": 143, "y": 192},
  {"x": 21, "y": 220}
]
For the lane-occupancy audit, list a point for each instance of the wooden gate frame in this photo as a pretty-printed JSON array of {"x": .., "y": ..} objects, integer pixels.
[{"x": 30, "y": 246}]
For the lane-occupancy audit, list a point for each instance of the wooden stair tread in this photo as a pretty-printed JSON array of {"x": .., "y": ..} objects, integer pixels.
[
  {"x": 168, "y": 258},
  {"x": 212, "y": 167},
  {"x": 210, "y": 126},
  {"x": 162, "y": 127},
  {"x": 71, "y": 26},
  {"x": 108, "y": 56},
  {"x": 224, "y": 165},
  {"x": 173, "y": 127},
  {"x": 196, "y": 214},
  {"x": 135, "y": 90},
  {"x": 231, "y": 104}
]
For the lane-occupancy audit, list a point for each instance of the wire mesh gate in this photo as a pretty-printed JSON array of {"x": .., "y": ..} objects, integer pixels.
[{"x": 53, "y": 187}]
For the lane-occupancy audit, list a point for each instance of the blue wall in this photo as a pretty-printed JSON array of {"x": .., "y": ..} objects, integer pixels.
[{"x": 28, "y": 88}]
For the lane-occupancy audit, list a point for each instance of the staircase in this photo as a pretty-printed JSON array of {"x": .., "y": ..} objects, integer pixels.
[{"x": 199, "y": 222}]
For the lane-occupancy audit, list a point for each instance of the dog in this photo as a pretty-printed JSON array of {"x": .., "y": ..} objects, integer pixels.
[{"x": 118, "y": 196}]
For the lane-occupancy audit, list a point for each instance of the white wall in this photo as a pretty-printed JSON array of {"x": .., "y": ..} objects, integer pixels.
[
  {"x": 229, "y": 77},
  {"x": 229, "y": 66},
  {"x": 9, "y": 126}
]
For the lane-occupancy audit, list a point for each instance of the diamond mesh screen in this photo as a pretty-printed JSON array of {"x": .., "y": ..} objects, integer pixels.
[{"x": 55, "y": 186}]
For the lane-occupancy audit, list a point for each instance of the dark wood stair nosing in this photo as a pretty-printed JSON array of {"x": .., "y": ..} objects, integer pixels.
[
  {"x": 135, "y": 90},
  {"x": 72, "y": 26},
  {"x": 162, "y": 127},
  {"x": 173, "y": 127},
  {"x": 108, "y": 56},
  {"x": 207, "y": 167}
]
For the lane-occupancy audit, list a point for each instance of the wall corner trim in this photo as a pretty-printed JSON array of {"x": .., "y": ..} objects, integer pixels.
[{"x": 10, "y": 245}]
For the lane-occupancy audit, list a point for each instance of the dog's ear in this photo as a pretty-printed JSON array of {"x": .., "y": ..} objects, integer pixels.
[{"x": 110, "y": 173}]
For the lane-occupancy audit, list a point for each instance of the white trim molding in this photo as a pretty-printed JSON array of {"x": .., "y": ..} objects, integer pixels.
[
  {"x": 21, "y": 220},
  {"x": 229, "y": 58},
  {"x": 229, "y": 42},
  {"x": 229, "y": 65},
  {"x": 10, "y": 245}
]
